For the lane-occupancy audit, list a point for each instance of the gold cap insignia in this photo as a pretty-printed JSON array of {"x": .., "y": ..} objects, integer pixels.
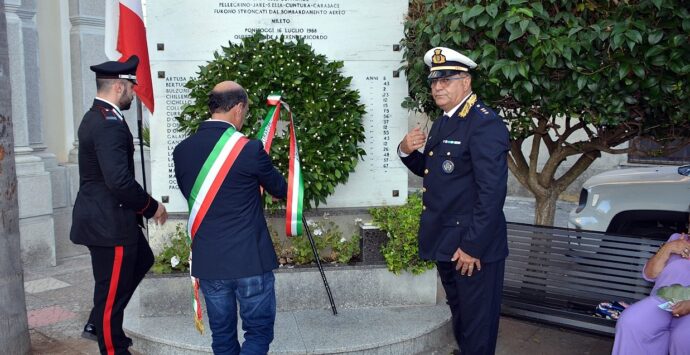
[{"x": 438, "y": 58}]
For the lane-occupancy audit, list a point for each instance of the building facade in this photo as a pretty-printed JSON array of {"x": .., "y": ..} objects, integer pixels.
[{"x": 51, "y": 44}]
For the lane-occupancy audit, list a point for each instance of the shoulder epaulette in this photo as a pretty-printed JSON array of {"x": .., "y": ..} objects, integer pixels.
[
  {"x": 467, "y": 106},
  {"x": 482, "y": 109},
  {"x": 108, "y": 114}
]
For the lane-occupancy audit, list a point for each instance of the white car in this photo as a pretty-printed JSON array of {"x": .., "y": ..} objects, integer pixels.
[{"x": 651, "y": 202}]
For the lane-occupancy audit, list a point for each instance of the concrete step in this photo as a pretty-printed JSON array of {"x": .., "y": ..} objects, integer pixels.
[
  {"x": 362, "y": 286},
  {"x": 381, "y": 330}
]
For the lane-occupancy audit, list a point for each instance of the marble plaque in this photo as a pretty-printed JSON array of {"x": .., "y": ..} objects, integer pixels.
[{"x": 362, "y": 33}]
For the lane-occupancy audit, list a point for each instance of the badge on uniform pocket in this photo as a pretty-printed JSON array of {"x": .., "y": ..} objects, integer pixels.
[{"x": 448, "y": 166}]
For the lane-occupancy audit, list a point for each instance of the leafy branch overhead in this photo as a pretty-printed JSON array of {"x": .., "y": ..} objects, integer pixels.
[
  {"x": 608, "y": 70},
  {"x": 602, "y": 62},
  {"x": 327, "y": 113}
]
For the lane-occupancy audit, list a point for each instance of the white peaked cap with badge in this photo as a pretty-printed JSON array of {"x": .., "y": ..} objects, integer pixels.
[{"x": 446, "y": 62}]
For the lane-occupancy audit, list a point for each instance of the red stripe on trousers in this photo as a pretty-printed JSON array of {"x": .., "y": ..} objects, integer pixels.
[{"x": 114, "y": 279}]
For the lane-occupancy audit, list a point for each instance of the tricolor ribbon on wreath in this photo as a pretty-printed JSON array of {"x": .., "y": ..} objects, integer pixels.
[
  {"x": 294, "y": 221},
  {"x": 295, "y": 196},
  {"x": 215, "y": 170}
]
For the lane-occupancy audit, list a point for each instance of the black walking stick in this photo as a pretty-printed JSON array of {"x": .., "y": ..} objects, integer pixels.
[{"x": 318, "y": 263}]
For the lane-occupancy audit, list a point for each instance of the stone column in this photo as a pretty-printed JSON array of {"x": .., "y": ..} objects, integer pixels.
[
  {"x": 85, "y": 46},
  {"x": 87, "y": 19},
  {"x": 58, "y": 118},
  {"x": 14, "y": 336},
  {"x": 34, "y": 182}
]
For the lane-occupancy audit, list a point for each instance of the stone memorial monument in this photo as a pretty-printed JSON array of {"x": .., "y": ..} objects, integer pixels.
[
  {"x": 183, "y": 36},
  {"x": 400, "y": 311}
]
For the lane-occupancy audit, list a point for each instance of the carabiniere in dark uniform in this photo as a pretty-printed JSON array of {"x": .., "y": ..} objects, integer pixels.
[{"x": 110, "y": 206}]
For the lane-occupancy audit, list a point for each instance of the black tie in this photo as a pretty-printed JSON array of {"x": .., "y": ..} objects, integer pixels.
[{"x": 443, "y": 122}]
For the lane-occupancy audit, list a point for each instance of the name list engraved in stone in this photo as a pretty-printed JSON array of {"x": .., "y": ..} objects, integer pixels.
[
  {"x": 176, "y": 96},
  {"x": 360, "y": 33},
  {"x": 379, "y": 144}
]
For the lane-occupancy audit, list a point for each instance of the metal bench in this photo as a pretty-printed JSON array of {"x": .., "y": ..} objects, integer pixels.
[{"x": 558, "y": 276}]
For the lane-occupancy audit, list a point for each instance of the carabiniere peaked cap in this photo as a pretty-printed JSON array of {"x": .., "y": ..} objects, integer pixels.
[
  {"x": 117, "y": 70},
  {"x": 446, "y": 62}
]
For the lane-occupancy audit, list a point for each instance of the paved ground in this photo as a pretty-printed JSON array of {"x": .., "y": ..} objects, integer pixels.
[{"x": 59, "y": 298}]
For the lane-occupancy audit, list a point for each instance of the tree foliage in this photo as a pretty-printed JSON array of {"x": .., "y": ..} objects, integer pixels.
[
  {"x": 327, "y": 113},
  {"x": 611, "y": 70}
]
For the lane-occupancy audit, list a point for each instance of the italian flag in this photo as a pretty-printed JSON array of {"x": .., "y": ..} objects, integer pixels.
[{"x": 125, "y": 35}]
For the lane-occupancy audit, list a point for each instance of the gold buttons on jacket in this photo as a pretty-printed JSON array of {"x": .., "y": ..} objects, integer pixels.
[
  {"x": 448, "y": 153},
  {"x": 426, "y": 171},
  {"x": 423, "y": 207},
  {"x": 431, "y": 153},
  {"x": 423, "y": 189}
]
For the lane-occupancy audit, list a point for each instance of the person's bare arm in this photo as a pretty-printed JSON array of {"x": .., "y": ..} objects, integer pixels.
[{"x": 656, "y": 263}]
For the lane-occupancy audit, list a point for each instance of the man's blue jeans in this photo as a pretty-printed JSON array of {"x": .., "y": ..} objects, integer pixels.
[{"x": 257, "y": 300}]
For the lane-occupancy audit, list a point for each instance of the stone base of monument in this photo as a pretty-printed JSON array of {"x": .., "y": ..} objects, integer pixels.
[{"x": 378, "y": 313}]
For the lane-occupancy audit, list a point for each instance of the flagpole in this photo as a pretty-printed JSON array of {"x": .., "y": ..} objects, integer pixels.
[
  {"x": 318, "y": 264},
  {"x": 140, "y": 128}
]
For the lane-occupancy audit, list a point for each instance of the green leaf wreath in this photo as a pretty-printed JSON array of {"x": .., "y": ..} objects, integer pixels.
[{"x": 327, "y": 113}]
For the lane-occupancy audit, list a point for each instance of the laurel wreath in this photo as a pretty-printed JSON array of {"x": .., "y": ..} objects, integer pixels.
[{"x": 327, "y": 112}]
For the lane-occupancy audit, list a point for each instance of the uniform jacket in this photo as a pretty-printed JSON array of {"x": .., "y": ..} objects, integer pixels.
[
  {"x": 465, "y": 173},
  {"x": 233, "y": 240},
  {"x": 110, "y": 203}
]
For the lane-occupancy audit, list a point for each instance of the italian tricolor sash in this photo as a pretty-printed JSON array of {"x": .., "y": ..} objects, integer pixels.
[
  {"x": 295, "y": 196},
  {"x": 206, "y": 185}
]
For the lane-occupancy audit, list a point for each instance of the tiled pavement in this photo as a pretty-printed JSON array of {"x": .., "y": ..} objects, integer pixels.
[{"x": 59, "y": 301}]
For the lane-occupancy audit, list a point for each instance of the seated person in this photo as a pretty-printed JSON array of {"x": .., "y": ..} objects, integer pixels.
[{"x": 644, "y": 328}]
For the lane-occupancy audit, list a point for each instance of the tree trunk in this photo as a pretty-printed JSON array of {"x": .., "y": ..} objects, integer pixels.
[
  {"x": 544, "y": 184},
  {"x": 14, "y": 330},
  {"x": 545, "y": 208}
]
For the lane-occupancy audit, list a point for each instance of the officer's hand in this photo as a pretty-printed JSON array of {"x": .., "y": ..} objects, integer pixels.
[
  {"x": 466, "y": 263},
  {"x": 161, "y": 214},
  {"x": 413, "y": 140}
]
